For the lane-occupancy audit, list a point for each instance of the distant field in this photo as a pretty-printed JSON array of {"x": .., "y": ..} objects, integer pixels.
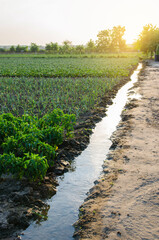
[
  {"x": 66, "y": 67},
  {"x": 90, "y": 55},
  {"x": 39, "y": 85}
]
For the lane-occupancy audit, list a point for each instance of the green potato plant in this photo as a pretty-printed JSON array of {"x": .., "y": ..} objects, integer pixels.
[{"x": 29, "y": 144}]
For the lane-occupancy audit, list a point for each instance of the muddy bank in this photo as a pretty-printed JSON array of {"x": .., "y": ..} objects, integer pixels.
[
  {"x": 124, "y": 203},
  {"x": 23, "y": 202}
]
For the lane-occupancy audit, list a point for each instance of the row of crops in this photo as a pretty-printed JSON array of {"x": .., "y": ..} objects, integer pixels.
[
  {"x": 38, "y": 96},
  {"x": 66, "y": 67},
  {"x": 92, "y": 55},
  {"x": 39, "y": 101},
  {"x": 31, "y": 94}
]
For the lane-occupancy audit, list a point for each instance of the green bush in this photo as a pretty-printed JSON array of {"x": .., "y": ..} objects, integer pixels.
[
  {"x": 34, "y": 166},
  {"x": 7, "y": 128},
  {"x": 53, "y": 135},
  {"x": 57, "y": 118},
  {"x": 9, "y": 163},
  {"x": 31, "y": 166},
  {"x": 29, "y": 143}
]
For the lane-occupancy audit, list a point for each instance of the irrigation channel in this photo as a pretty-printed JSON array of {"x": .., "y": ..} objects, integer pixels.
[{"x": 86, "y": 168}]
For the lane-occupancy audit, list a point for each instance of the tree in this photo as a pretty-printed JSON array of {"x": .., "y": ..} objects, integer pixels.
[
  {"x": 24, "y": 48},
  {"x": 117, "y": 41},
  {"x": 48, "y": 47},
  {"x": 104, "y": 40},
  {"x": 111, "y": 40},
  {"x": 34, "y": 48},
  {"x": 18, "y": 48},
  {"x": 52, "y": 47},
  {"x": 66, "y": 46},
  {"x": 67, "y": 43},
  {"x": 2, "y": 50},
  {"x": 148, "y": 39},
  {"x": 80, "y": 49},
  {"x": 90, "y": 46}
]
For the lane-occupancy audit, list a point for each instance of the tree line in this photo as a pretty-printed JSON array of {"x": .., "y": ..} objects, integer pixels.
[{"x": 109, "y": 40}]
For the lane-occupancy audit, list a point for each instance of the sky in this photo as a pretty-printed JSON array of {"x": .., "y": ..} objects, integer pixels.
[{"x": 45, "y": 21}]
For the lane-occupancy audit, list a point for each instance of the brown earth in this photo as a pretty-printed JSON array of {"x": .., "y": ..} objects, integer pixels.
[{"x": 124, "y": 204}]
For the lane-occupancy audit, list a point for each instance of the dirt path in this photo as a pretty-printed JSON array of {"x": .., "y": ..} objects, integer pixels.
[{"x": 124, "y": 204}]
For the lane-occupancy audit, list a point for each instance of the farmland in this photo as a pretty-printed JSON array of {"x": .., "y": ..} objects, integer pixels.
[
  {"x": 40, "y": 99},
  {"x": 39, "y": 85}
]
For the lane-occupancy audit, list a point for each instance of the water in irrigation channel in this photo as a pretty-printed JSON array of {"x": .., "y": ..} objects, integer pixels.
[{"x": 74, "y": 185}]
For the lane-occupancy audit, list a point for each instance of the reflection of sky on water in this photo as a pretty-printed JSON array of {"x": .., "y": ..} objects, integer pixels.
[{"x": 73, "y": 186}]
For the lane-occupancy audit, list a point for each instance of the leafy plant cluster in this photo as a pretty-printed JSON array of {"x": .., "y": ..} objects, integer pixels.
[{"x": 28, "y": 144}]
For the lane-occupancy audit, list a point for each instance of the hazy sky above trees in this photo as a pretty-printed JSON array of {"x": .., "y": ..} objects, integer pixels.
[{"x": 44, "y": 21}]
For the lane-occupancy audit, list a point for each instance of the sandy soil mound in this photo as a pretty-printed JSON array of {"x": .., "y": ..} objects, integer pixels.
[{"x": 124, "y": 204}]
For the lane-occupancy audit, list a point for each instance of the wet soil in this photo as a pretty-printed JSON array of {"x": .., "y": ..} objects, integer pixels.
[
  {"x": 124, "y": 203},
  {"x": 22, "y": 202}
]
